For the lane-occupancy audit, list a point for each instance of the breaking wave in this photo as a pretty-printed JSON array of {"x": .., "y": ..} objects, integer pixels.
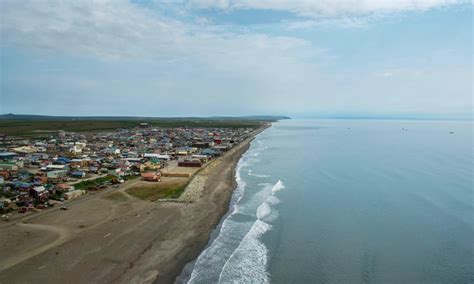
[
  {"x": 248, "y": 263},
  {"x": 250, "y": 172},
  {"x": 278, "y": 186},
  {"x": 237, "y": 254}
]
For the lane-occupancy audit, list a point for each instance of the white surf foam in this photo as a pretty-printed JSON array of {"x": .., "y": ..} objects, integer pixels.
[
  {"x": 278, "y": 186},
  {"x": 257, "y": 175},
  {"x": 248, "y": 263},
  {"x": 222, "y": 260},
  {"x": 211, "y": 260},
  {"x": 263, "y": 210}
]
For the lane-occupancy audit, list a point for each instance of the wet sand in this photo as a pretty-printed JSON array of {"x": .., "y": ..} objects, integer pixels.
[{"x": 118, "y": 239}]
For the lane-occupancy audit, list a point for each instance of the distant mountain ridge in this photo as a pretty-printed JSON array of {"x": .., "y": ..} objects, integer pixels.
[{"x": 11, "y": 116}]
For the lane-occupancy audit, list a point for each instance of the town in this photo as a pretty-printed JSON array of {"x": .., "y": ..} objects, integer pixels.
[{"x": 37, "y": 173}]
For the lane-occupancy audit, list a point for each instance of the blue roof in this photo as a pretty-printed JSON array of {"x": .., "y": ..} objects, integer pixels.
[
  {"x": 209, "y": 151},
  {"x": 22, "y": 184},
  {"x": 64, "y": 159},
  {"x": 7, "y": 154}
]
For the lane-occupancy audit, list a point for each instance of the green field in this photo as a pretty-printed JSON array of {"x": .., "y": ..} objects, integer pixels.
[
  {"x": 155, "y": 191},
  {"x": 26, "y": 127},
  {"x": 93, "y": 183}
]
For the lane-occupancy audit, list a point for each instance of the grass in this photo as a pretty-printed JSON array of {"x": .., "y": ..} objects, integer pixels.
[
  {"x": 93, "y": 183},
  {"x": 30, "y": 127},
  {"x": 130, "y": 177},
  {"x": 159, "y": 190}
]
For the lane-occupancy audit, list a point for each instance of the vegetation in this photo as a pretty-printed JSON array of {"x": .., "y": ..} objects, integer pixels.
[
  {"x": 130, "y": 177},
  {"x": 159, "y": 190},
  {"x": 93, "y": 183},
  {"x": 33, "y": 127}
]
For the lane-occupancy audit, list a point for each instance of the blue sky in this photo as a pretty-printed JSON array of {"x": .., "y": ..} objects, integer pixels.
[{"x": 393, "y": 58}]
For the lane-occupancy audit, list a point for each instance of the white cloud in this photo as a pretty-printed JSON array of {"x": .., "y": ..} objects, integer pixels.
[
  {"x": 229, "y": 71},
  {"x": 331, "y": 8},
  {"x": 189, "y": 57},
  {"x": 121, "y": 30}
]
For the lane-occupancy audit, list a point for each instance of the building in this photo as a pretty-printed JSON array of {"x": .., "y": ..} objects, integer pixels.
[
  {"x": 151, "y": 176},
  {"x": 7, "y": 156},
  {"x": 157, "y": 156},
  {"x": 8, "y": 166}
]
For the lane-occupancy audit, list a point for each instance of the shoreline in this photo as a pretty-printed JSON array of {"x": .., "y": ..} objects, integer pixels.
[
  {"x": 228, "y": 199},
  {"x": 228, "y": 191},
  {"x": 124, "y": 241}
]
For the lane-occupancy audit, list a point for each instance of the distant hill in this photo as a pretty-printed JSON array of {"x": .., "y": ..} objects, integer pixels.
[{"x": 12, "y": 116}]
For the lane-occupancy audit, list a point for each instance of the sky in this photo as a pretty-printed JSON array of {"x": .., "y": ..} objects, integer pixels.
[{"x": 302, "y": 58}]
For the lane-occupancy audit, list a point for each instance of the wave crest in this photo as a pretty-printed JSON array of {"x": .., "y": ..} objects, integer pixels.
[{"x": 278, "y": 186}]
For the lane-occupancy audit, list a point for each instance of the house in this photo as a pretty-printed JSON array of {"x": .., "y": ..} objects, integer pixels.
[
  {"x": 56, "y": 174},
  {"x": 62, "y": 161},
  {"x": 94, "y": 169},
  {"x": 157, "y": 156},
  {"x": 78, "y": 174},
  {"x": 40, "y": 179},
  {"x": 79, "y": 162},
  {"x": 39, "y": 193},
  {"x": 7, "y": 156},
  {"x": 25, "y": 149},
  {"x": 149, "y": 166},
  {"x": 200, "y": 145},
  {"x": 5, "y": 174},
  {"x": 222, "y": 147},
  {"x": 182, "y": 153},
  {"x": 8, "y": 166},
  {"x": 134, "y": 160},
  {"x": 55, "y": 167},
  {"x": 211, "y": 152},
  {"x": 185, "y": 150},
  {"x": 77, "y": 148},
  {"x": 202, "y": 158},
  {"x": 151, "y": 176},
  {"x": 112, "y": 151},
  {"x": 64, "y": 187},
  {"x": 73, "y": 194}
]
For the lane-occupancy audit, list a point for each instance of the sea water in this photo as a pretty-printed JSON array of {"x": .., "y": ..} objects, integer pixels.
[{"x": 349, "y": 201}]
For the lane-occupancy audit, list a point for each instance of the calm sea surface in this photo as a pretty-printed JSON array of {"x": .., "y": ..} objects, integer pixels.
[{"x": 349, "y": 201}]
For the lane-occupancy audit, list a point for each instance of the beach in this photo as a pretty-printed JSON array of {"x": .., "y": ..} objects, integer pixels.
[{"x": 115, "y": 237}]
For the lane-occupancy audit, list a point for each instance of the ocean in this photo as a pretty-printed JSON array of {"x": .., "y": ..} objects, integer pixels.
[{"x": 348, "y": 201}]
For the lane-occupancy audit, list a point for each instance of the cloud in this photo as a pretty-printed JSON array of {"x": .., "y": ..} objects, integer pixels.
[
  {"x": 185, "y": 58},
  {"x": 120, "y": 30},
  {"x": 193, "y": 67},
  {"x": 328, "y": 8}
]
